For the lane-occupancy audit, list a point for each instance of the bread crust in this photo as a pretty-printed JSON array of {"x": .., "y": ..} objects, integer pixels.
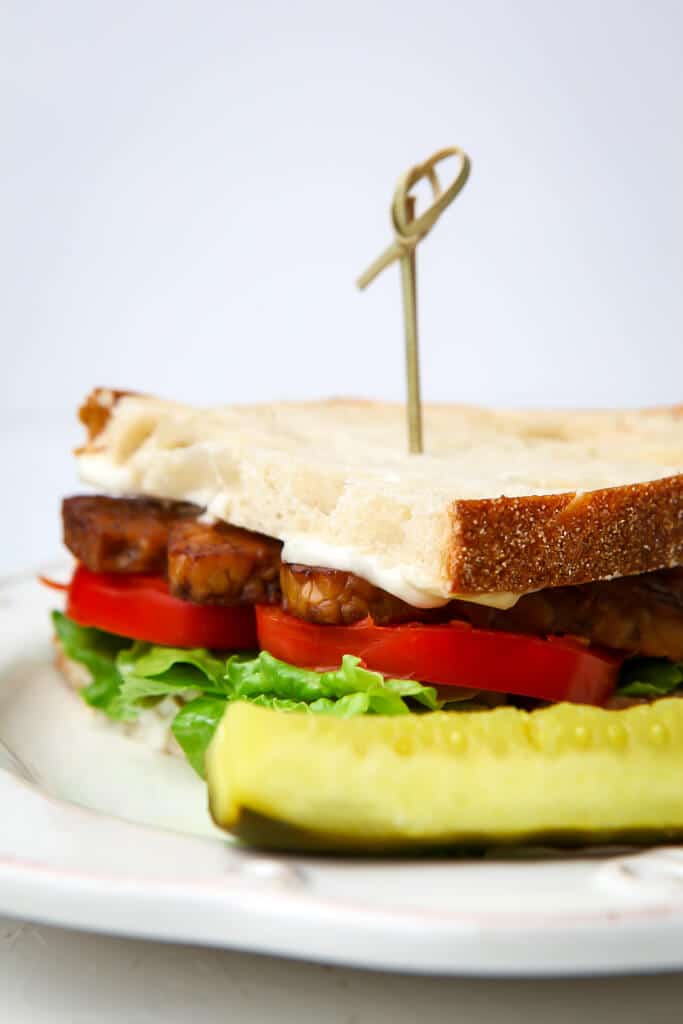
[
  {"x": 528, "y": 543},
  {"x": 96, "y": 411}
]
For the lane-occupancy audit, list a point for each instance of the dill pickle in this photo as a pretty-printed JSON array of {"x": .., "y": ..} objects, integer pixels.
[{"x": 567, "y": 774}]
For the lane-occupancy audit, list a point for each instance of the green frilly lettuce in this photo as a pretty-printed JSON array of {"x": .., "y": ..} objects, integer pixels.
[
  {"x": 128, "y": 676},
  {"x": 650, "y": 677}
]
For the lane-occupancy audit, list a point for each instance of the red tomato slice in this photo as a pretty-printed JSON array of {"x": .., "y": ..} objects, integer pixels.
[
  {"x": 141, "y": 607},
  {"x": 454, "y": 654}
]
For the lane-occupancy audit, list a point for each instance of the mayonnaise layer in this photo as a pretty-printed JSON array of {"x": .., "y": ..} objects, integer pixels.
[{"x": 306, "y": 551}]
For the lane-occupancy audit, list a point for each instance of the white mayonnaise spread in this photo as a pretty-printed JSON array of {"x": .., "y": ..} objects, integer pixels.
[{"x": 306, "y": 551}]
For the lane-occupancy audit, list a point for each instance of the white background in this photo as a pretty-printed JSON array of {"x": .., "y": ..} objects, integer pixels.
[
  {"x": 188, "y": 192},
  {"x": 190, "y": 189}
]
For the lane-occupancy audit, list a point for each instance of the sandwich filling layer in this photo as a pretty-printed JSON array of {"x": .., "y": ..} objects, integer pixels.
[
  {"x": 290, "y": 556},
  {"x": 161, "y": 599},
  {"x": 220, "y": 564}
]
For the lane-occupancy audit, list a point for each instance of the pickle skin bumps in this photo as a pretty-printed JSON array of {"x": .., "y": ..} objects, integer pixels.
[{"x": 566, "y": 774}]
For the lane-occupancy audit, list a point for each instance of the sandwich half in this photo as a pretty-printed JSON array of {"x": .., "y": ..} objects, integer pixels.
[{"x": 526, "y": 569}]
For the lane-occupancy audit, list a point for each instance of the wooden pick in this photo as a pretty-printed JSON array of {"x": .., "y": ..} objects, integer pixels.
[{"x": 409, "y": 230}]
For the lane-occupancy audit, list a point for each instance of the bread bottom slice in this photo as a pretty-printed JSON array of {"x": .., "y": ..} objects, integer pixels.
[{"x": 152, "y": 727}]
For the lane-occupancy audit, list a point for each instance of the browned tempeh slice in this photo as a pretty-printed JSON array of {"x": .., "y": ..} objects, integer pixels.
[
  {"x": 97, "y": 408},
  {"x": 640, "y": 614},
  {"x": 331, "y": 597},
  {"x": 121, "y": 534},
  {"x": 222, "y": 564}
]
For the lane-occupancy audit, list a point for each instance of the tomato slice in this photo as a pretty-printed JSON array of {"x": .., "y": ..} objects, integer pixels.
[
  {"x": 142, "y": 608},
  {"x": 454, "y": 654}
]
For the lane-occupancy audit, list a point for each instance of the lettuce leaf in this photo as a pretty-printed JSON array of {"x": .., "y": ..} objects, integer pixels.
[
  {"x": 129, "y": 675},
  {"x": 149, "y": 670},
  {"x": 194, "y": 725},
  {"x": 98, "y": 652},
  {"x": 649, "y": 677},
  {"x": 265, "y": 675}
]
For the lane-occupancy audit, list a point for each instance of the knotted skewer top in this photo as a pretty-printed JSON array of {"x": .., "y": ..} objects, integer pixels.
[{"x": 409, "y": 230}]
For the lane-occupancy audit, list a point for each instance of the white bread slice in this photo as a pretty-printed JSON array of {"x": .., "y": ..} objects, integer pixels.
[{"x": 499, "y": 502}]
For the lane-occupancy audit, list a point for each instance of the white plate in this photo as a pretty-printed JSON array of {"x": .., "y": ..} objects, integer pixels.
[{"x": 99, "y": 833}]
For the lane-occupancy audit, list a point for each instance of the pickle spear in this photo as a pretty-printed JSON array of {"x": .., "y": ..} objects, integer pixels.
[{"x": 567, "y": 774}]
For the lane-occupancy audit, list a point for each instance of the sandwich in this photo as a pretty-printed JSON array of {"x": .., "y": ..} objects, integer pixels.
[{"x": 365, "y": 649}]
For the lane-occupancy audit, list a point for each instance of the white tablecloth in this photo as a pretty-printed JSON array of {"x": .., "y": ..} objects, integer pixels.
[{"x": 51, "y": 976}]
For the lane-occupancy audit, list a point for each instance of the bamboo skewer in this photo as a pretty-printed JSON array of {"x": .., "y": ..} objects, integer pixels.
[{"x": 409, "y": 230}]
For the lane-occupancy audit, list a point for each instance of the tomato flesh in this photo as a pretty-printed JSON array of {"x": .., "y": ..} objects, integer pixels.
[
  {"x": 454, "y": 654},
  {"x": 142, "y": 608}
]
